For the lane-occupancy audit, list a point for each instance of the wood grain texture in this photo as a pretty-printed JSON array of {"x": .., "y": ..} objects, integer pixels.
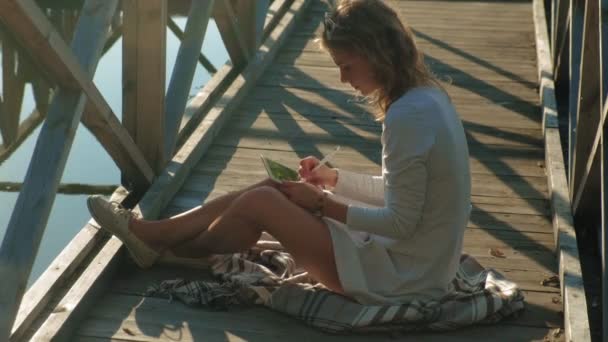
[
  {"x": 29, "y": 218},
  {"x": 300, "y": 108}
]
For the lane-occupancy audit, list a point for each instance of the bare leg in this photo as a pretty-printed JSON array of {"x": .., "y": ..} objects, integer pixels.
[
  {"x": 239, "y": 227},
  {"x": 164, "y": 234}
]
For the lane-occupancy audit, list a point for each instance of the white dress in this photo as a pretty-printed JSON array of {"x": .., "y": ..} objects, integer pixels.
[{"x": 404, "y": 230}]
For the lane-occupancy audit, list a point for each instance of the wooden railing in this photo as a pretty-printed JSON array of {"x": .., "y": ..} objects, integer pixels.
[
  {"x": 578, "y": 31},
  {"x": 150, "y": 132}
]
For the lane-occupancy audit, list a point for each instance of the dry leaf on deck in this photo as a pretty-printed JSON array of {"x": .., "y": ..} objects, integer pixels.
[
  {"x": 552, "y": 281},
  {"x": 495, "y": 252}
]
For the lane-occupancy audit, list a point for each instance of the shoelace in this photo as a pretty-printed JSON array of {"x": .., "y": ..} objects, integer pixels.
[{"x": 120, "y": 211}]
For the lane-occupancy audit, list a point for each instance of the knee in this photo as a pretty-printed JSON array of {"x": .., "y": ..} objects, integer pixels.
[{"x": 258, "y": 201}]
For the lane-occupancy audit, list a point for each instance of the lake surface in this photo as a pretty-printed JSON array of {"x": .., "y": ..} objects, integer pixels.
[{"x": 88, "y": 162}]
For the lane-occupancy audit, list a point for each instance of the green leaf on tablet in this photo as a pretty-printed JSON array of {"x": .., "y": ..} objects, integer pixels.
[{"x": 279, "y": 172}]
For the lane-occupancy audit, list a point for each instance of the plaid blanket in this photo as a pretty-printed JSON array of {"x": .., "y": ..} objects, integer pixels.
[{"x": 269, "y": 277}]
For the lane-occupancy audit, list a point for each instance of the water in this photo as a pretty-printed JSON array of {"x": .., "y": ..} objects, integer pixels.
[{"x": 88, "y": 162}]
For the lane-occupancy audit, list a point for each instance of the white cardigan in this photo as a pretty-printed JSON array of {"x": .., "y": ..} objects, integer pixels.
[{"x": 404, "y": 230}]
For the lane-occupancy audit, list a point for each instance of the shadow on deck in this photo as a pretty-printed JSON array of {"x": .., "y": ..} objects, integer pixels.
[{"x": 300, "y": 108}]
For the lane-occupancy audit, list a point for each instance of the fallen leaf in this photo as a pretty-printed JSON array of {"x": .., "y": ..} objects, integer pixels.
[
  {"x": 552, "y": 281},
  {"x": 60, "y": 309},
  {"x": 128, "y": 331},
  {"x": 495, "y": 252}
]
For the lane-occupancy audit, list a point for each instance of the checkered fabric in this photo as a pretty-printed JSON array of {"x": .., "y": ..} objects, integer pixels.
[{"x": 270, "y": 278}]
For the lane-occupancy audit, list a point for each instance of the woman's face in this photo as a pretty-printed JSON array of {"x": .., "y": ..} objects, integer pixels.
[{"x": 355, "y": 70}]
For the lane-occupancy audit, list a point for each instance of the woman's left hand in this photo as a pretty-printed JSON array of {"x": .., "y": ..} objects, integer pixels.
[{"x": 303, "y": 194}]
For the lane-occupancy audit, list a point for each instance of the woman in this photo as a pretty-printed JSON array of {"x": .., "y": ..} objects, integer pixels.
[{"x": 379, "y": 239}]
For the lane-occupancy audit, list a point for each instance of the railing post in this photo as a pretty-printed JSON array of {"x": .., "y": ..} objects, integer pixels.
[
  {"x": 13, "y": 87},
  {"x": 576, "y": 38},
  {"x": 586, "y": 169},
  {"x": 603, "y": 31},
  {"x": 144, "y": 69},
  {"x": 183, "y": 71}
]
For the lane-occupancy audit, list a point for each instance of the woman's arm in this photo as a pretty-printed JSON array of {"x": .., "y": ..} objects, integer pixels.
[
  {"x": 364, "y": 188},
  {"x": 409, "y": 135}
]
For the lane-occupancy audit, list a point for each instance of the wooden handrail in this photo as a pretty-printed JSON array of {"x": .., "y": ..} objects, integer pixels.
[{"x": 582, "y": 34}]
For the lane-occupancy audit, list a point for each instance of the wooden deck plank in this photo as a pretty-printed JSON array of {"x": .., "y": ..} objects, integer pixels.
[{"x": 299, "y": 108}]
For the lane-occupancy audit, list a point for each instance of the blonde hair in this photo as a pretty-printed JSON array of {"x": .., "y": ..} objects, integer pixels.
[{"x": 372, "y": 29}]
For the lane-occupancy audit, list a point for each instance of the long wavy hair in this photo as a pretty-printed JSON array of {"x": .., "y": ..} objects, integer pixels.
[{"x": 372, "y": 29}]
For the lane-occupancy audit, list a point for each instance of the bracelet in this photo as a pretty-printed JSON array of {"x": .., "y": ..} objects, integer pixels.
[{"x": 319, "y": 211}]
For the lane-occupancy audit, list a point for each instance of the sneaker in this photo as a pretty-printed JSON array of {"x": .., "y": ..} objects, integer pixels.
[{"x": 113, "y": 217}]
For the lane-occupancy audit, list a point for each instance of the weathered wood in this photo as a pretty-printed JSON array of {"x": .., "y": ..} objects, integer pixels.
[
  {"x": 586, "y": 195},
  {"x": 576, "y": 322},
  {"x": 603, "y": 62},
  {"x": 577, "y": 8},
  {"x": 144, "y": 60},
  {"x": 68, "y": 310},
  {"x": 211, "y": 92},
  {"x": 13, "y": 84},
  {"x": 603, "y": 31},
  {"x": 183, "y": 71},
  {"x": 51, "y": 283},
  {"x": 604, "y": 226},
  {"x": 251, "y": 16},
  {"x": 65, "y": 188},
  {"x": 177, "y": 31},
  {"x": 27, "y": 223},
  {"x": 275, "y": 12},
  {"x": 558, "y": 28},
  {"x": 39, "y": 36},
  {"x": 589, "y": 109},
  {"x": 25, "y": 129},
  {"x": 233, "y": 38},
  {"x": 66, "y": 317}
]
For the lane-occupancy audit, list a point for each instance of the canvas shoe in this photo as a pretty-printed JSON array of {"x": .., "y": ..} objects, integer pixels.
[{"x": 113, "y": 217}]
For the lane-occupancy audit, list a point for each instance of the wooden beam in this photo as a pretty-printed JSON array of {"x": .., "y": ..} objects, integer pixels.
[
  {"x": 588, "y": 97},
  {"x": 276, "y": 10},
  {"x": 88, "y": 284},
  {"x": 184, "y": 69},
  {"x": 113, "y": 37},
  {"x": 211, "y": 92},
  {"x": 576, "y": 322},
  {"x": 604, "y": 227},
  {"x": 561, "y": 68},
  {"x": 577, "y": 8},
  {"x": 251, "y": 16},
  {"x": 590, "y": 173},
  {"x": 604, "y": 49},
  {"x": 558, "y": 27},
  {"x": 25, "y": 129},
  {"x": 64, "y": 267},
  {"x": 29, "y": 218},
  {"x": 144, "y": 63},
  {"x": 202, "y": 59},
  {"x": 38, "y": 35},
  {"x": 231, "y": 35},
  {"x": 13, "y": 85}
]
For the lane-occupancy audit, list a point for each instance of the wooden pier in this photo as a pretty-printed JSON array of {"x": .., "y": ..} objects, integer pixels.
[{"x": 284, "y": 99}]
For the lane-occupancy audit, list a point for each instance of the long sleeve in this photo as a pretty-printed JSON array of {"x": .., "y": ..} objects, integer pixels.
[
  {"x": 408, "y": 137},
  {"x": 363, "y": 188}
]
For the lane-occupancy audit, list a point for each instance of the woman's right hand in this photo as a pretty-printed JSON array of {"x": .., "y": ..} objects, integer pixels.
[{"x": 323, "y": 176}]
